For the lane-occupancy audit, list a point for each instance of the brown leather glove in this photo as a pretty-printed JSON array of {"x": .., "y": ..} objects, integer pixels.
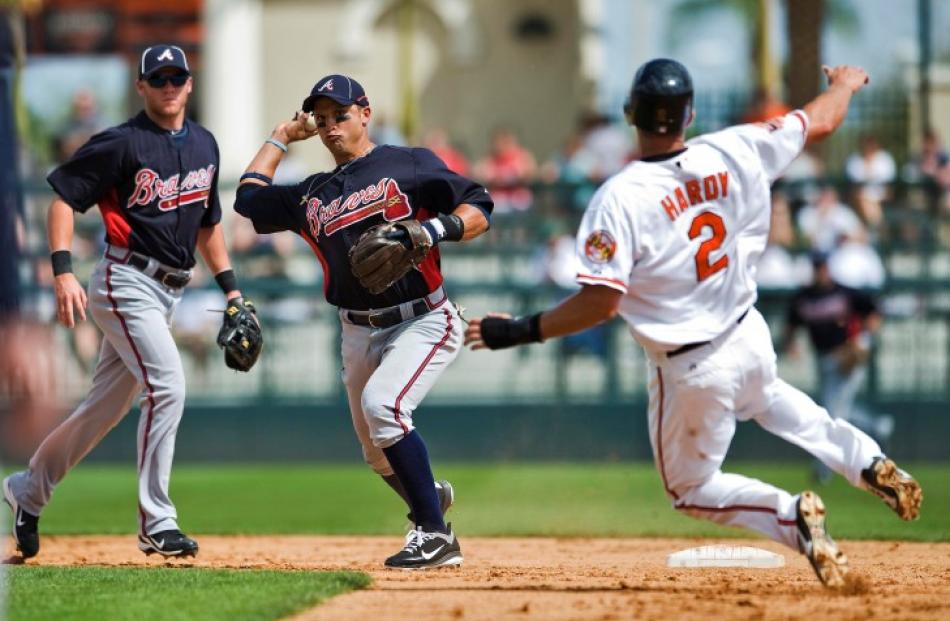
[{"x": 386, "y": 252}]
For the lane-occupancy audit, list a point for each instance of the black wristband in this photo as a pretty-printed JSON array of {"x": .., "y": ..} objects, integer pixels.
[
  {"x": 444, "y": 228},
  {"x": 498, "y": 333},
  {"x": 454, "y": 227},
  {"x": 226, "y": 280},
  {"x": 62, "y": 261}
]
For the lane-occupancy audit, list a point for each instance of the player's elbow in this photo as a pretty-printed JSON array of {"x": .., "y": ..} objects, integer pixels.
[
  {"x": 603, "y": 302},
  {"x": 819, "y": 130}
]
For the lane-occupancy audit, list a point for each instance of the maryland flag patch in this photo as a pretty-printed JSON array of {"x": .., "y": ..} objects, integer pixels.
[{"x": 600, "y": 246}]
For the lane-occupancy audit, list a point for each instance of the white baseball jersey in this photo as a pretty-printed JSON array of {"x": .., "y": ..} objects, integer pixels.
[{"x": 680, "y": 235}]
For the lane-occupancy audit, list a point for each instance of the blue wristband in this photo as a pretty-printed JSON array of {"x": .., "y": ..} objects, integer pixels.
[
  {"x": 256, "y": 175},
  {"x": 277, "y": 143}
]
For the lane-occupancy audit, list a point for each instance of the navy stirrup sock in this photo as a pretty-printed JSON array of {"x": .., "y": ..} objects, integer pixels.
[{"x": 410, "y": 461}]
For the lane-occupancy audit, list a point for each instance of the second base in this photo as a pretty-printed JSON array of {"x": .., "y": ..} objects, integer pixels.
[{"x": 725, "y": 556}]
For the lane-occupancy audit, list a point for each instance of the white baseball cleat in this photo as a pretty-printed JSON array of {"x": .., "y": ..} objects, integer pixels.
[
  {"x": 896, "y": 487},
  {"x": 829, "y": 562}
]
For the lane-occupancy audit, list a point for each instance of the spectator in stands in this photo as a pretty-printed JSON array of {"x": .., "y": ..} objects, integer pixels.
[
  {"x": 507, "y": 171},
  {"x": 840, "y": 323},
  {"x": 763, "y": 106},
  {"x": 825, "y": 222},
  {"x": 778, "y": 269},
  {"x": 802, "y": 177},
  {"x": 605, "y": 149},
  {"x": 84, "y": 122},
  {"x": 856, "y": 264},
  {"x": 871, "y": 170},
  {"x": 437, "y": 141},
  {"x": 931, "y": 167}
]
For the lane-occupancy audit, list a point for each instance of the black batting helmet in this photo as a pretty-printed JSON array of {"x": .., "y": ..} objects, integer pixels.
[{"x": 661, "y": 97}]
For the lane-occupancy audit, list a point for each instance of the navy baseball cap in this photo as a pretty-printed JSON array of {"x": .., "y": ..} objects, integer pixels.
[
  {"x": 161, "y": 56},
  {"x": 340, "y": 88}
]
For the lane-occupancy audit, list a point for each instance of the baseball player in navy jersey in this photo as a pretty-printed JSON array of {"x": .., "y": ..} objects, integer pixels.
[
  {"x": 155, "y": 180},
  {"x": 397, "y": 338},
  {"x": 671, "y": 244}
]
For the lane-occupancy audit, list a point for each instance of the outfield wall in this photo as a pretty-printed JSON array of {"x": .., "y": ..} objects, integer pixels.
[{"x": 586, "y": 432}]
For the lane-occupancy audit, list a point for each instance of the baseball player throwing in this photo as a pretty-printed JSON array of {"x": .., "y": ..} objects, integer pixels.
[
  {"x": 155, "y": 180},
  {"x": 671, "y": 243},
  {"x": 374, "y": 223}
]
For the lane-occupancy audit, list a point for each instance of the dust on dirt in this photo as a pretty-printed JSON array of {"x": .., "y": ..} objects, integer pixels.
[{"x": 553, "y": 579}]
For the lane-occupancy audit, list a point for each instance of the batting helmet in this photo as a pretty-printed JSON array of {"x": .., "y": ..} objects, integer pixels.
[{"x": 661, "y": 97}]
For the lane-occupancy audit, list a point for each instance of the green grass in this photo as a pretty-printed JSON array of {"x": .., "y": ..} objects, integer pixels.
[
  {"x": 492, "y": 499},
  {"x": 132, "y": 594}
]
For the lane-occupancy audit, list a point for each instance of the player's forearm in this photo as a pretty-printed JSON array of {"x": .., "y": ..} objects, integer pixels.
[
  {"x": 264, "y": 163},
  {"x": 592, "y": 305},
  {"x": 827, "y": 111},
  {"x": 59, "y": 225},
  {"x": 215, "y": 254}
]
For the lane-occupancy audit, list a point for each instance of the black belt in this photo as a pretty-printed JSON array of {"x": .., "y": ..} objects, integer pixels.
[
  {"x": 386, "y": 318},
  {"x": 691, "y": 346},
  {"x": 169, "y": 279}
]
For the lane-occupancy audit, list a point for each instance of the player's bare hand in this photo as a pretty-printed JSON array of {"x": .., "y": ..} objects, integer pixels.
[
  {"x": 301, "y": 127},
  {"x": 473, "y": 332},
  {"x": 70, "y": 300},
  {"x": 846, "y": 75}
]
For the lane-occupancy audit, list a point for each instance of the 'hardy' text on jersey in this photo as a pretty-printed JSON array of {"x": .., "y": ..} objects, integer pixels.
[{"x": 694, "y": 192}]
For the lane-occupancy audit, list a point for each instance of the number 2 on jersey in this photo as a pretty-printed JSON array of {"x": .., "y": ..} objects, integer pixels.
[{"x": 708, "y": 219}]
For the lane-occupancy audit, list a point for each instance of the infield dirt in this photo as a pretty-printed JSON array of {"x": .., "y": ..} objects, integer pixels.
[{"x": 552, "y": 579}]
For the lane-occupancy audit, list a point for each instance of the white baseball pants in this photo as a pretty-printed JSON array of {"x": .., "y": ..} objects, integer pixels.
[{"x": 696, "y": 399}]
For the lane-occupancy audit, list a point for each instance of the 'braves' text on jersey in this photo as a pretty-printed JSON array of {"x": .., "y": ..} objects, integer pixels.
[
  {"x": 331, "y": 211},
  {"x": 680, "y": 234},
  {"x": 154, "y": 189}
]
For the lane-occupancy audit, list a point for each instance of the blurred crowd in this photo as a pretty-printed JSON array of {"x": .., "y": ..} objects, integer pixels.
[{"x": 539, "y": 198}]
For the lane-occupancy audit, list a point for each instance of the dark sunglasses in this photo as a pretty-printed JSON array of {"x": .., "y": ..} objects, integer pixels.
[{"x": 159, "y": 81}]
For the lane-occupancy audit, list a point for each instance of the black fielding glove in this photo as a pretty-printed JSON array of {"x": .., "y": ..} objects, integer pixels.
[{"x": 499, "y": 333}]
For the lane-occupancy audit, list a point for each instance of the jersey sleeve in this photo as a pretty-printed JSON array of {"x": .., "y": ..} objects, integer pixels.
[
  {"x": 92, "y": 171},
  {"x": 605, "y": 243},
  {"x": 777, "y": 141},
  {"x": 270, "y": 208},
  {"x": 442, "y": 190},
  {"x": 212, "y": 214}
]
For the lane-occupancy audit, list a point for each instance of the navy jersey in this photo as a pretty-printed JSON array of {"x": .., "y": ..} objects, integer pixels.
[
  {"x": 154, "y": 190},
  {"x": 830, "y": 314},
  {"x": 331, "y": 210}
]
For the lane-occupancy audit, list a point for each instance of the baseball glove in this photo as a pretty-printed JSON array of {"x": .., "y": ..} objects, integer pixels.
[
  {"x": 240, "y": 335},
  {"x": 386, "y": 253}
]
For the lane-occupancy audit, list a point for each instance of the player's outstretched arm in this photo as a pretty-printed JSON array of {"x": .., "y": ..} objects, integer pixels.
[
  {"x": 827, "y": 111},
  {"x": 592, "y": 305},
  {"x": 70, "y": 296}
]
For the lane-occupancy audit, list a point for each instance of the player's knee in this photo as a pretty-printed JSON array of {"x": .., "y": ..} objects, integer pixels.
[
  {"x": 170, "y": 393},
  {"x": 376, "y": 404}
]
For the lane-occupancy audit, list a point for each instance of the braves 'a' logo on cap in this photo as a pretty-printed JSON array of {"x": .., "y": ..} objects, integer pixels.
[
  {"x": 600, "y": 246},
  {"x": 327, "y": 86},
  {"x": 166, "y": 55}
]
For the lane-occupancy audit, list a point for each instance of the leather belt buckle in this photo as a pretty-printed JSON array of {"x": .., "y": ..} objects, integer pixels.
[{"x": 370, "y": 320}]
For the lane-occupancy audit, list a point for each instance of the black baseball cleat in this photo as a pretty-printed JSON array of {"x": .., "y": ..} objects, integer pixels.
[
  {"x": 897, "y": 488},
  {"x": 829, "y": 562},
  {"x": 25, "y": 525},
  {"x": 446, "y": 494},
  {"x": 424, "y": 550},
  {"x": 168, "y": 543}
]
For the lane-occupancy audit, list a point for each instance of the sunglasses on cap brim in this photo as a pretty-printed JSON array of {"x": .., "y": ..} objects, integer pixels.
[{"x": 159, "y": 81}]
